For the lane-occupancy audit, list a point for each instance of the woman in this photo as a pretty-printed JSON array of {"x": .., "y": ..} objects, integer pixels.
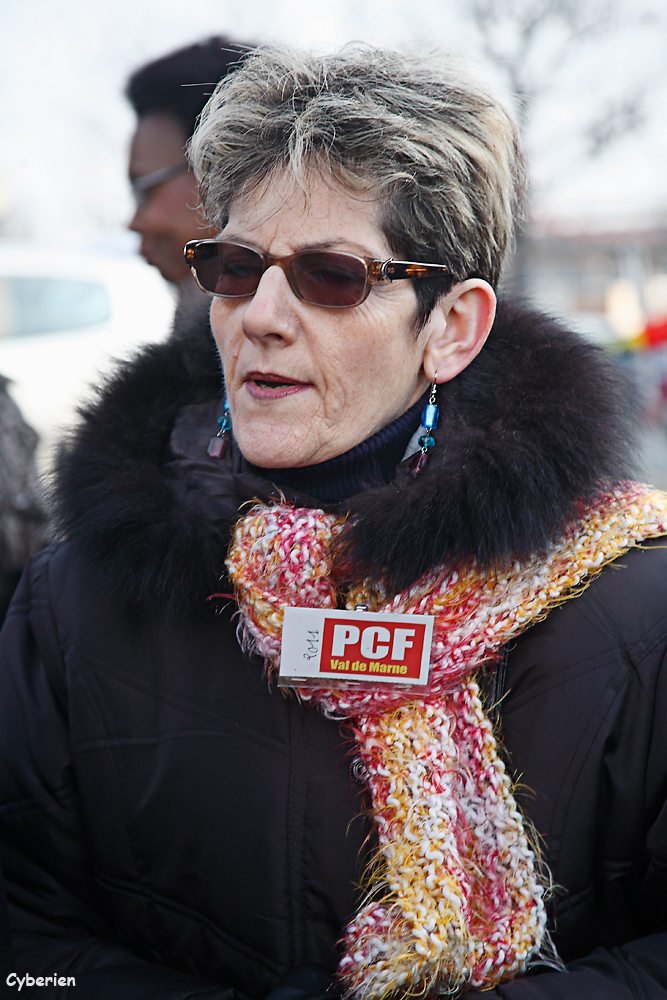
[{"x": 174, "y": 827}]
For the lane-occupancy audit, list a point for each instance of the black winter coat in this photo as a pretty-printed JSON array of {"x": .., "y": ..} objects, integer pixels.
[{"x": 173, "y": 827}]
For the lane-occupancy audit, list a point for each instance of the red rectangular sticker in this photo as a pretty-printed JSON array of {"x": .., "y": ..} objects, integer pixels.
[
  {"x": 366, "y": 647},
  {"x": 351, "y": 647}
]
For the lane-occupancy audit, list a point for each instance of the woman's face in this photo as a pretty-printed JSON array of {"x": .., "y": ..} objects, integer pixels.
[{"x": 307, "y": 383}]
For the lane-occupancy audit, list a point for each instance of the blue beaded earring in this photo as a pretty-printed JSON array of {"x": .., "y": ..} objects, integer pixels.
[
  {"x": 218, "y": 445},
  {"x": 430, "y": 415}
]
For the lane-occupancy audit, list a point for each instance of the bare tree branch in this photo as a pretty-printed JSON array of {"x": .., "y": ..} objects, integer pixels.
[
  {"x": 509, "y": 31},
  {"x": 531, "y": 42},
  {"x": 619, "y": 118},
  {"x": 512, "y": 36}
]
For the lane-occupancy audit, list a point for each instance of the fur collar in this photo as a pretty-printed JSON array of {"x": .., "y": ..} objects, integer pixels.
[{"x": 536, "y": 424}]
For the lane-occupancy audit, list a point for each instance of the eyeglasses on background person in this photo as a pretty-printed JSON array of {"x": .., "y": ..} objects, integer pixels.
[
  {"x": 336, "y": 280},
  {"x": 142, "y": 186}
]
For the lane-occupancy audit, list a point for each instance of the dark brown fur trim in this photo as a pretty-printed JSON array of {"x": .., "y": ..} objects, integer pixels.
[
  {"x": 537, "y": 423},
  {"x": 540, "y": 421}
]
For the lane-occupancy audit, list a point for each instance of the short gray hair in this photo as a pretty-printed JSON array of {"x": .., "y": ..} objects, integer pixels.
[{"x": 441, "y": 152}]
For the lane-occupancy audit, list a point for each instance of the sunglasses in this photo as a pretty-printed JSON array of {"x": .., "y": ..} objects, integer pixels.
[{"x": 320, "y": 277}]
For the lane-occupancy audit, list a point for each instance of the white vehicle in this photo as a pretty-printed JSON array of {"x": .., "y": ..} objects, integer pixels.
[{"x": 64, "y": 319}]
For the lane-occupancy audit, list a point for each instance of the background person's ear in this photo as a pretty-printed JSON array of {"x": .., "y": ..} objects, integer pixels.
[{"x": 457, "y": 328}]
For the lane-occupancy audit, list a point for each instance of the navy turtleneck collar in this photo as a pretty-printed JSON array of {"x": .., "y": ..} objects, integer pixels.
[{"x": 371, "y": 463}]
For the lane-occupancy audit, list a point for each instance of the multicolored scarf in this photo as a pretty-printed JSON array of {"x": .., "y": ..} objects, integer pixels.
[{"x": 455, "y": 899}]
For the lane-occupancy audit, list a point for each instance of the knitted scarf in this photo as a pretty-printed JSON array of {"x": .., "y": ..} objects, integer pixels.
[{"x": 455, "y": 898}]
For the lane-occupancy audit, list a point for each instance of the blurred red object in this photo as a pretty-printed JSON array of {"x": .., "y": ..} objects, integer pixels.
[{"x": 656, "y": 332}]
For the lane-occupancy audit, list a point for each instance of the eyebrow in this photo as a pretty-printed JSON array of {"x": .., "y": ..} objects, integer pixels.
[{"x": 328, "y": 244}]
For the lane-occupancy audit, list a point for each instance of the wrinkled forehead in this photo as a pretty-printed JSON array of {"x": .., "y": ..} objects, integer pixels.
[
  {"x": 298, "y": 188},
  {"x": 317, "y": 210}
]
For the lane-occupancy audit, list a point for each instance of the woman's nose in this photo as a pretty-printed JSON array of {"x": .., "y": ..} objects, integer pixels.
[{"x": 272, "y": 310}]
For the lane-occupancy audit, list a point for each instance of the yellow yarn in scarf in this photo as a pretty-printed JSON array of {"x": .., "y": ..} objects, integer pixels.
[{"x": 456, "y": 901}]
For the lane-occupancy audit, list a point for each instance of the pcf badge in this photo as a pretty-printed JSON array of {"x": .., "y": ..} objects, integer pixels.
[{"x": 349, "y": 648}]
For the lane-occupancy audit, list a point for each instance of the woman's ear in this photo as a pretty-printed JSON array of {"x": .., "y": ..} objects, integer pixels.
[{"x": 457, "y": 328}]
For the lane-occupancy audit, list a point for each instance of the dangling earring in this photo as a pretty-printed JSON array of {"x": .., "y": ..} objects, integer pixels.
[
  {"x": 218, "y": 445},
  {"x": 429, "y": 423}
]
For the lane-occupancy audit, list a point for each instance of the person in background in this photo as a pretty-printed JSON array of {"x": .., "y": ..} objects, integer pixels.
[
  {"x": 168, "y": 96},
  {"x": 23, "y": 518}
]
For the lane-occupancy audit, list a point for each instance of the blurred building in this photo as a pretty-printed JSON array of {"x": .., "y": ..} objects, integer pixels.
[{"x": 610, "y": 282}]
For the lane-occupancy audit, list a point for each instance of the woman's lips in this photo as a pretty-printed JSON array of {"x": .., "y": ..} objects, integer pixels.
[{"x": 273, "y": 386}]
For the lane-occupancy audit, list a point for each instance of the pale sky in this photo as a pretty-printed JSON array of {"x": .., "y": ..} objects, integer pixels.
[{"x": 66, "y": 126}]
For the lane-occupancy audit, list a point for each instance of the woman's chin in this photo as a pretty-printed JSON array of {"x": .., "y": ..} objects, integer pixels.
[
  {"x": 291, "y": 441},
  {"x": 267, "y": 451}
]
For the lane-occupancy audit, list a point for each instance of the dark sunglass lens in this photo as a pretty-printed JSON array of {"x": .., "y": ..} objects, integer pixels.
[
  {"x": 326, "y": 278},
  {"x": 229, "y": 270}
]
